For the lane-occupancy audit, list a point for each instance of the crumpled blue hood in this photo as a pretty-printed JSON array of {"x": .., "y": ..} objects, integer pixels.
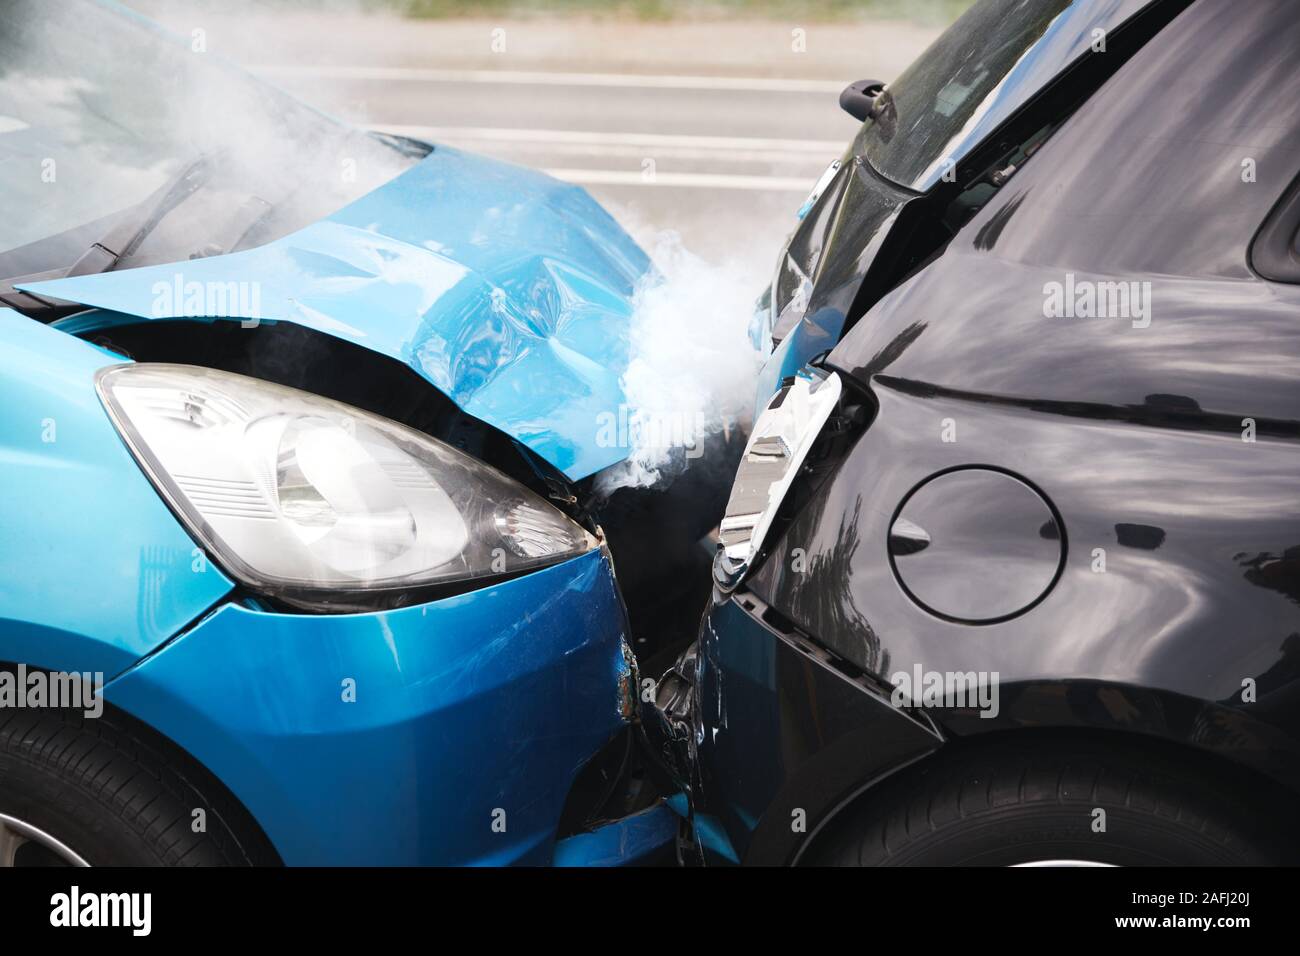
[{"x": 507, "y": 290}]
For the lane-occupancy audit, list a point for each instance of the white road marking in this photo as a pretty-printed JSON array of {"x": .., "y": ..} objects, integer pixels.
[
  {"x": 719, "y": 149},
  {"x": 624, "y": 177},
  {"x": 707, "y": 158},
  {"x": 710, "y": 157},
  {"x": 765, "y": 84},
  {"x": 818, "y": 147}
]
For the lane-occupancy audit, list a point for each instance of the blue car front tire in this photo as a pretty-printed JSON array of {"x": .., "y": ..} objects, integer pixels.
[{"x": 105, "y": 790}]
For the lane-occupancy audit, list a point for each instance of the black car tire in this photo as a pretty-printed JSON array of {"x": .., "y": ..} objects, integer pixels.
[
  {"x": 1018, "y": 803},
  {"x": 103, "y": 787}
]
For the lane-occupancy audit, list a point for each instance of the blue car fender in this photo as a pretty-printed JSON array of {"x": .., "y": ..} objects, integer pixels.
[
  {"x": 444, "y": 733},
  {"x": 95, "y": 571}
]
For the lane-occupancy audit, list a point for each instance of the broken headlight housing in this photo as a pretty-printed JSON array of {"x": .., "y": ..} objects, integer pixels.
[
  {"x": 322, "y": 505},
  {"x": 780, "y": 441}
]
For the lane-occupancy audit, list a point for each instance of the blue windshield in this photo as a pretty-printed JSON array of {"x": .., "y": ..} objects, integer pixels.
[{"x": 99, "y": 108}]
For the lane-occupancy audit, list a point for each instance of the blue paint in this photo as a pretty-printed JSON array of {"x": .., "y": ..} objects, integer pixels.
[
  {"x": 484, "y": 702},
  {"x": 624, "y": 842},
  {"x": 507, "y": 290},
  {"x": 712, "y": 836},
  {"x": 95, "y": 571},
  {"x": 708, "y": 829}
]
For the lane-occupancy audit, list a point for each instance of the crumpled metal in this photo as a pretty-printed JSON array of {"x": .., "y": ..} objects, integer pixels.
[{"x": 507, "y": 290}]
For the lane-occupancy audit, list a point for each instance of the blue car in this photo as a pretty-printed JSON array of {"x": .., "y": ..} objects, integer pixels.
[{"x": 300, "y": 557}]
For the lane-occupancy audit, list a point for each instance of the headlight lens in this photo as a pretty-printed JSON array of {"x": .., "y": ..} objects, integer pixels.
[
  {"x": 778, "y": 445},
  {"x": 311, "y": 500}
]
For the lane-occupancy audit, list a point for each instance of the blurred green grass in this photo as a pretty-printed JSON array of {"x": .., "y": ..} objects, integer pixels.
[{"x": 921, "y": 11}]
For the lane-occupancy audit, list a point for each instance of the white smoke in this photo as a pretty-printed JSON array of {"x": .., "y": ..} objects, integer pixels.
[
  {"x": 691, "y": 368},
  {"x": 99, "y": 108}
]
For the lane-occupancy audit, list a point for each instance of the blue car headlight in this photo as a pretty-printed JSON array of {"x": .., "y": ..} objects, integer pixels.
[{"x": 318, "y": 503}]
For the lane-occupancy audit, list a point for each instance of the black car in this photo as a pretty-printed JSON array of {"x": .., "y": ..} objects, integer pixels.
[{"x": 1010, "y": 573}]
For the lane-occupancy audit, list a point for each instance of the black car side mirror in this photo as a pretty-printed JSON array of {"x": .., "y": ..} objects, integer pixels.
[{"x": 858, "y": 98}]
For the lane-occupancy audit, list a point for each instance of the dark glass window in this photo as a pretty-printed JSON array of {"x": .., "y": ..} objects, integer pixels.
[{"x": 979, "y": 72}]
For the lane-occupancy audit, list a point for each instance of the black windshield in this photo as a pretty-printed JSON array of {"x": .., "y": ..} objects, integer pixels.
[{"x": 979, "y": 72}]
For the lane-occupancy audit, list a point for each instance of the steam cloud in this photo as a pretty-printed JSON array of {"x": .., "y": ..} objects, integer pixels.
[
  {"x": 691, "y": 370},
  {"x": 107, "y": 107}
]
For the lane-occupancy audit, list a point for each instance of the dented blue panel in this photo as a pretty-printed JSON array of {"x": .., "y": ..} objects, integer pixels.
[{"x": 509, "y": 291}]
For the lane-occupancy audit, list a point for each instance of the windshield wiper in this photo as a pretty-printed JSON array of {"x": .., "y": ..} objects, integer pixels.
[
  {"x": 125, "y": 237},
  {"x": 120, "y": 243}
]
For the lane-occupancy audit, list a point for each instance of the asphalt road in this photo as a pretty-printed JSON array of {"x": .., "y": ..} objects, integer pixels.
[
  {"x": 714, "y": 131},
  {"x": 724, "y": 163}
]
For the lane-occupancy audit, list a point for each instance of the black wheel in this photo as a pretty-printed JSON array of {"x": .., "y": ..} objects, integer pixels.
[
  {"x": 99, "y": 791},
  {"x": 1044, "y": 802}
]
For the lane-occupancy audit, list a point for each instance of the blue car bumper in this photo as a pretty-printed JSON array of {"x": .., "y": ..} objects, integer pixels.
[{"x": 445, "y": 733}]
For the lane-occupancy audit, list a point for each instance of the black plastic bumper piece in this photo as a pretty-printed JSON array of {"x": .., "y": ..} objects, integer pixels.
[{"x": 783, "y": 735}]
